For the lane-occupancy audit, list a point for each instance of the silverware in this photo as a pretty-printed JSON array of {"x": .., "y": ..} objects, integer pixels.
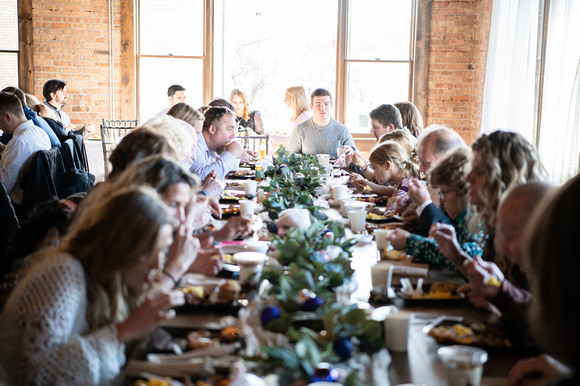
[{"x": 434, "y": 323}]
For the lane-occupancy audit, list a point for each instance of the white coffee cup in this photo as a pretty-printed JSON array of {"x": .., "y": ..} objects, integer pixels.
[
  {"x": 397, "y": 330},
  {"x": 357, "y": 219},
  {"x": 382, "y": 274},
  {"x": 247, "y": 207},
  {"x": 339, "y": 192},
  {"x": 324, "y": 159},
  {"x": 339, "y": 151},
  {"x": 250, "y": 188},
  {"x": 251, "y": 264},
  {"x": 381, "y": 236}
]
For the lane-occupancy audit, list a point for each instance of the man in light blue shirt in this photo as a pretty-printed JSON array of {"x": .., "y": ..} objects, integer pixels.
[
  {"x": 321, "y": 134},
  {"x": 217, "y": 148}
]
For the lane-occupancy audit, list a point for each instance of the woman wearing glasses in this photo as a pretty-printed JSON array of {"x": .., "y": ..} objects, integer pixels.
[{"x": 448, "y": 174}]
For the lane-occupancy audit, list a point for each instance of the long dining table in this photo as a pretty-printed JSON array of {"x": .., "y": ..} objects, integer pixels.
[{"x": 419, "y": 365}]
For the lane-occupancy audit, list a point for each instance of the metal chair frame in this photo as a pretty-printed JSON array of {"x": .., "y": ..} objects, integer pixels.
[
  {"x": 255, "y": 139},
  {"x": 112, "y": 132}
]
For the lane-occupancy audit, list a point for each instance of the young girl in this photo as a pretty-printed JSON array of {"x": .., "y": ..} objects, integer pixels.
[{"x": 392, "y": 165}]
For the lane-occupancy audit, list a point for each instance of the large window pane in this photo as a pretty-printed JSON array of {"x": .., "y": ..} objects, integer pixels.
[
  {"x": 8, "y": 26},
  {"x": 9, "y": 66},
  {"x": 157, "y": 74},
  {"x": 370, "y": 85},
  {"x": 263, "y": 48},
  {"x": 171, "y": 27},
  {"x": 379, "y": 29}
]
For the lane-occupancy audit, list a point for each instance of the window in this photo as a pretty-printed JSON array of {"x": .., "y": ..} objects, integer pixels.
[
  {"x": 262, "y": 49},
  {"x": 8, "y": 43},
  {"x": 532, "y": 83},
  {"x": 170, "y": 51}
]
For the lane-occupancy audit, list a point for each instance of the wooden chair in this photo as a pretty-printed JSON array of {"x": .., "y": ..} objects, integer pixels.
[{"x": 112, "y": 131}]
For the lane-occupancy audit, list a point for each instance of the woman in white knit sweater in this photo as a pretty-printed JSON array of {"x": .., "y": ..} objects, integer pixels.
[{"x": 68, "y": 319}]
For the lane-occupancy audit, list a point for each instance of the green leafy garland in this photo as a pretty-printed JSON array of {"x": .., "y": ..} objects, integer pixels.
[{"x": 315, "y": 259}]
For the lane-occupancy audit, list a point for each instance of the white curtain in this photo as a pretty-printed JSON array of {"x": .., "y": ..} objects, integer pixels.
[
  {"x": 510, "y": 80},
  {"x": 560, "y": 124}
]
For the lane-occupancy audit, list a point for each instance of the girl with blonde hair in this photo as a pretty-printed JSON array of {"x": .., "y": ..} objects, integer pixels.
[
  {"x": 249, "y": 119},
  {"x": 392, "y": 165},
  {"x": 68, "y": 320}
]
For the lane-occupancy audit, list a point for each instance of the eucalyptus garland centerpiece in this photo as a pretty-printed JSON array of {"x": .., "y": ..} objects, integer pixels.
[{"x": 313, "y": 273}]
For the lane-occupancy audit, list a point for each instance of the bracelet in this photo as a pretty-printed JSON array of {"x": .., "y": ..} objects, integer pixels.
[
  {"x": 366, "y": 167},
  {"x": 176, "y": 282}
]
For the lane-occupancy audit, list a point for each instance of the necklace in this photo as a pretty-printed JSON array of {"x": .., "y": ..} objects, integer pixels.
[{"x": 322, "y": 128}]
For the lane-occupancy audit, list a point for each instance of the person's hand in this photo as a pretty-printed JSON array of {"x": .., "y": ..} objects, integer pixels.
[
  {"x": 358, "y": 181},
  {"x": 156, "y": 307},
  {"x": 536, "y": 371},
  {"x": 410, "y": 216},
  {"x": 214, "y": 207},
  {"x": 90, "y": 127},
  {"x": 237, "y": 226},
  {"x": 398, "y": 239},
  {"x": 249, "y": 156},
  {"x": 445, "y": 236},
  {"x": 208, "y": 262},
  {"x": 197, "y": 212},
  {"x": 182, "y": 253},
  {"x": 212, "y": 184},
  {"x": 418, "y": 192},
  {"x": 235, "y": 148}
]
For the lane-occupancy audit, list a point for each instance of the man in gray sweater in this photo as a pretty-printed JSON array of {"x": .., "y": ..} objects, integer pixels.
[{"x": 321, "y": 134}]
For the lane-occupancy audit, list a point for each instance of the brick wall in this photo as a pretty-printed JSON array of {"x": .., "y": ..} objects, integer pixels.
[
  {"x": 458, "y": 52},
  {"x": 71, "y": 42}
]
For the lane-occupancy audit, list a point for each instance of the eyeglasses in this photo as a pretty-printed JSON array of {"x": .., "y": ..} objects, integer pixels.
[
  {"x": 215, "y": 112},
  {"x": 442, "y": 193}
]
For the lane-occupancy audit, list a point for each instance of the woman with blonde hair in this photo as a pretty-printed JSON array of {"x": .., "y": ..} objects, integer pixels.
[
  {"x": 248, "y": 119},
  {"x": 297, "y": 102},
  {"x": 188, "y": 114},
  {"x": 68, "y": 320},
  {"x": 411, "y": 117},
  {"x": 500, "y": 160}
]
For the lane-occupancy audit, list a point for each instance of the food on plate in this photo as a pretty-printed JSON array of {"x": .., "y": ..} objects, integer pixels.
[
  {"x": 231, "y": 211},
  {"x": 374, "y": 200},
  {"x": 201, "y": 339},
  {"x": 393, "y": 255},
  {"x": 375, "y": 216},
  {"x": 229, "y": 291},
  {"x": 439, "y": 290},
  {"x": 228, "y": 258},
  {"x": 230, "y": 334},
  {"x": 228, "y": 196},
  {"x": 154, "y": 382},
  {"x": 476, "y": 333},
  {"x": 194, "y": 294}
]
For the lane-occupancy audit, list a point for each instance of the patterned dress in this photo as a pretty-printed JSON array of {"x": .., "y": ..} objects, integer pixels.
[{"x": 427, "y": 250}]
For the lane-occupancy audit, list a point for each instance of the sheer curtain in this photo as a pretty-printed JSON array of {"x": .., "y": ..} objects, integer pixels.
[
  {"x": 560, "y": 123},
  {"x": 510, "y": 80}
]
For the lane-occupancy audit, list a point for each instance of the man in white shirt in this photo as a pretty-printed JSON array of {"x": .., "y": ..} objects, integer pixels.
[
  {"x": 54, "y": 91},
  {"x": 217, "y": 148},
  {"x": 27, "y": 139}
]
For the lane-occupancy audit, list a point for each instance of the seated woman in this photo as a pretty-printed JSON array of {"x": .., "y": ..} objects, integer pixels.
[
  {"x": 248, "y": 119},
  {"x": 448, "y": 175},
  {"x": 68, "y": 320},
  {"x": 392, "y": 165},
  {"x": 411, "y": 117},
  {"x": 176, "y": 187},
  {"x": 297, "y": 101},
  {"x": 500, "y": 161},
  {"x": 551, "y": 261},
  {"x": 188, "y": 114}
]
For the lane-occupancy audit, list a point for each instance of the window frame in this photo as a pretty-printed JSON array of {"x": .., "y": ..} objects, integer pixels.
[{"x": 418, "y": 57}]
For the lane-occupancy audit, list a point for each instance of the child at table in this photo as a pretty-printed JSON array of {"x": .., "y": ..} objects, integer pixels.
[{"x": 393, "y": 165}]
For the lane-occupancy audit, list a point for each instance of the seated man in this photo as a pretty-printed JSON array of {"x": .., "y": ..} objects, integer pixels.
[
  {"x": 27, "y": 140},
  {"x": 175, "y": 94},
  {"x": 33, "y": 116},
  {"x": 321, "y": 134},
  {"x": 217, "y": 148}
]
